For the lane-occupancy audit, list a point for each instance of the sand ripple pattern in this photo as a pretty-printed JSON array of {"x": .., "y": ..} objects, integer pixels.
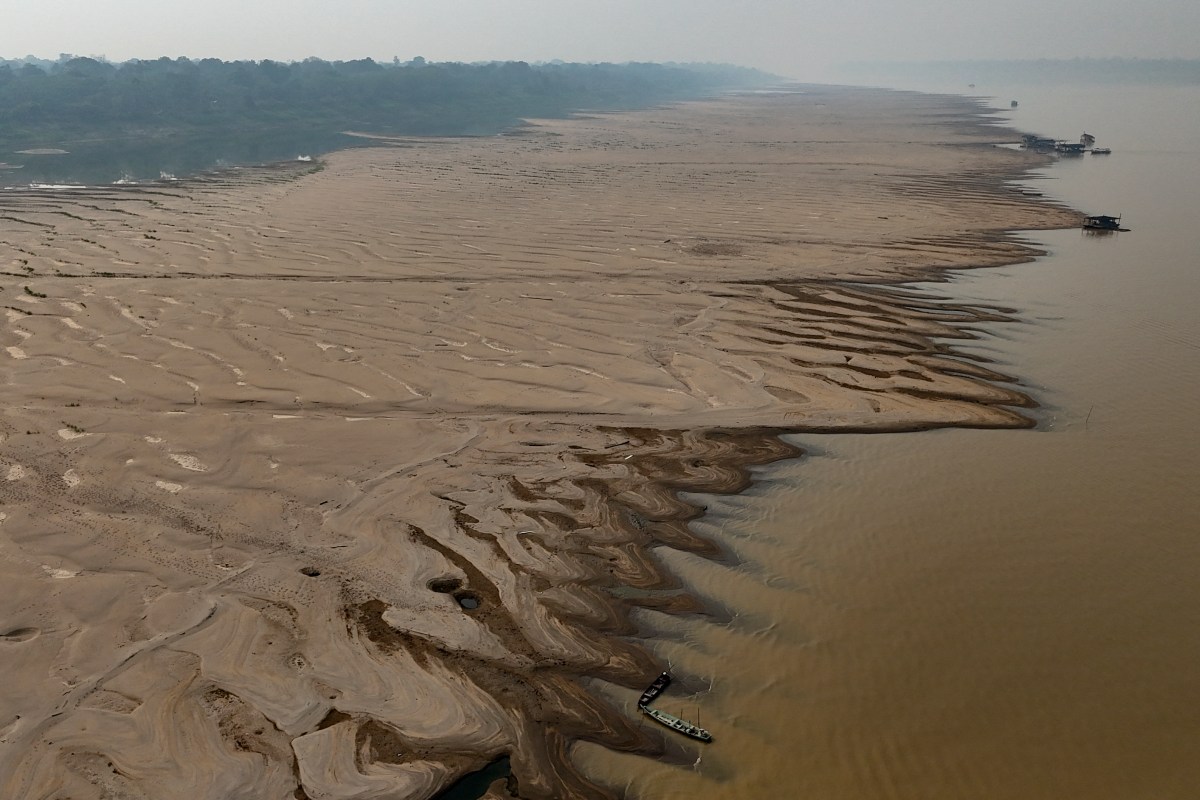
[{"x": 319, "y": 484}]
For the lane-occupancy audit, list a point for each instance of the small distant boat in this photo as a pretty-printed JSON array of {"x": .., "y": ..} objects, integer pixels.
[
  {"x": 675, "y": 723},
  {"x": 305, "y": 159},
  {"x": 1101, "y": 151},
  {"x": 1070, "y": 148},
  {"x": 1102, "y": 222},
  {"x": 1013, "y": 104}
]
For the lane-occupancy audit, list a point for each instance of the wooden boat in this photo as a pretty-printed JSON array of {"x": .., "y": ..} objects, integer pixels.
[
  {"x": 656, "y": 688},
  {"x": 676, "y": 724},
  {"x": 1102, "y": 222}
]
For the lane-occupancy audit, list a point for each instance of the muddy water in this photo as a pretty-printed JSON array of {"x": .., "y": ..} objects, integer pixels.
[{"x": 985, "y": 614}]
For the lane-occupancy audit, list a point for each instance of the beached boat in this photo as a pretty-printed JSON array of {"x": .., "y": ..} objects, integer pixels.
[
  {"x": 1102, "y": 222},
  {"x": 656, "y": 688},
  {"x": 676, "y": 724}
]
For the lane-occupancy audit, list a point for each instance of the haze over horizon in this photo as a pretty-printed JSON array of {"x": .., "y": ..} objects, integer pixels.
[{"x": 804, "y": 41}]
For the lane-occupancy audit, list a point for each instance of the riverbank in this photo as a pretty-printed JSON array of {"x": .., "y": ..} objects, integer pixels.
[
  {"x": 972, "y": 613},
  {"x": 321, "y": 483}
]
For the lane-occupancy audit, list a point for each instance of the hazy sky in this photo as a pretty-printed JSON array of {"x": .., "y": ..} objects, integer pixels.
[{"x": 797, "y": 38}]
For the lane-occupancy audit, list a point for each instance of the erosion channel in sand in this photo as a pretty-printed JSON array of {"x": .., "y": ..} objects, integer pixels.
[{"x": 319, "y": 482}]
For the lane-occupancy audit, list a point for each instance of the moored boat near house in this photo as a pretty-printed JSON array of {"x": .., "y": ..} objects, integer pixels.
[
  {"x": 1032, "y": 141},
  {"x": 1102, "y": 222}
]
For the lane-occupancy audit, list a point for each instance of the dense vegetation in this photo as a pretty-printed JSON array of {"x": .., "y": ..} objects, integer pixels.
[
  {"x": 83, "y": 120},
  {"x": 51, "y": 104}
]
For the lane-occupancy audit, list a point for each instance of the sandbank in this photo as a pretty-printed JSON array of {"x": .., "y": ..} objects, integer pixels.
[{"x": 267, "y": 429}]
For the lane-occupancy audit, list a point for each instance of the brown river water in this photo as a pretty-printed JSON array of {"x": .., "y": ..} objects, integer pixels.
[{"x": 983, "y": 614}]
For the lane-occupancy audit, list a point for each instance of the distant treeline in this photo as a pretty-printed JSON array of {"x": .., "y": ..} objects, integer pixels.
[
  {"x": 47, "y": 104},
  {"x": 1149, "y": 71}
]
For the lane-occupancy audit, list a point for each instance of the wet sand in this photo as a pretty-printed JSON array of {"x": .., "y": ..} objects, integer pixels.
[{"x": 268, "y": 430}]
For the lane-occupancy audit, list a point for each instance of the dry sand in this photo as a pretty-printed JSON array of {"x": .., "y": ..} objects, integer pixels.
[{"x": 266, "y": 429}]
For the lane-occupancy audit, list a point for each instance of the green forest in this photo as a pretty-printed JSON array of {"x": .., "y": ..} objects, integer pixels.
[{"x": 168, "y": 105}]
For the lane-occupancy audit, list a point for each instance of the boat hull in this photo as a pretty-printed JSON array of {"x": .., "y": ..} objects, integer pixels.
[
  {"x": 676, "y": 724},
  {"x": 654, "y": 690}
]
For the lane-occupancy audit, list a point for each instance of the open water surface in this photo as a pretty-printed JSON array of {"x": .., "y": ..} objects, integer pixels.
[
  {"x": 133, "y": 160},
  {"x": 985, "y": 614}
]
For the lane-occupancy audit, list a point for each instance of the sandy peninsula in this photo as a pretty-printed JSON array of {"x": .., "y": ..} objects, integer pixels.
[{"x": 317, "y": 479}]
